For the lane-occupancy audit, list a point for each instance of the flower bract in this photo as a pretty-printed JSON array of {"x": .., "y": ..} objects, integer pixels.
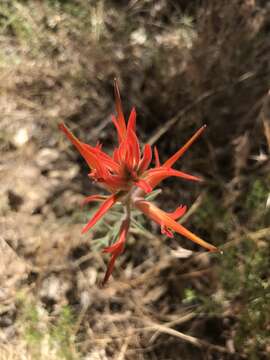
[{"x": 127, "y": 176}]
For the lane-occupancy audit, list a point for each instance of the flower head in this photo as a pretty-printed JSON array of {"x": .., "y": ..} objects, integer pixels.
[{"x": 127, "y": 176}]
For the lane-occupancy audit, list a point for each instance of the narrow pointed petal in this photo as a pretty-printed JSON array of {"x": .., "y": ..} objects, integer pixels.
[
  {"x": 118, "y": 129},
  {"x": 162, "y": 218},
  {"x": 85, "y": 151},
  {"x": 132, "y": 143},
  {"x": 134, "y": 148},
  {"x": 183, "y": 149},
  {"x": 116, "y": 249},
  {"x": 107, "y": 204},
  {"x": 157, "y": 161},
  {"x": 88, "y": 156},
  {"x": 156, "y": 175},
  {"x": 144, "y": 186},
  {"x": 116, "y": 157},
  {"x": 132, "y": 120},
  {"x": 102, "y": 157},
  {"x": 129, "y": 159},
  {"x": 92, "y": 198},
  {"x": 146, "y": 159},
  {"x": 180, "y": 211},
  {"x": 108, "y": 162},
  {"x": 122, "y": 151},
  {"x": 109, "y": 269},
  {"x": 119, "y": 110}
]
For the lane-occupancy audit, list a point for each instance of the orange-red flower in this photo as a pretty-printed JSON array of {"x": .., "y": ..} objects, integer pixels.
[{"x": 126, "y": 175}]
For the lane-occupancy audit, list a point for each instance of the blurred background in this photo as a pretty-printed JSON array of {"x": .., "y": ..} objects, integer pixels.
[{"x": 182, "y": 64}]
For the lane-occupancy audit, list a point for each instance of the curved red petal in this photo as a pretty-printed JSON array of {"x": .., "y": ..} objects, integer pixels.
[
  {"x": 146, "y": 159},
  {"x": 129, "y": 149},
  {"x": 118, "y": 246},
  {"x": 132, "y": 120},
  {"x": 183, "y": 149},
  {"x": 163, "y": 219},
  {"x": 135, "y": 148},
  {"x": 122, "y": 151},
  {"x": 119, "y": 110},
  {"x": 116, "y": 249},
  {"x": 144, "y": 185},
  {"x": 108, "y": 162},
  {"x": 85, "y": 150},
  {"x": 115, "y": 183},
  {"x": 156, "y": 175},
  {"x": 119, "y": 131},
  {"x": 91, "y": 198},
  {"x": 101, "y": 211},
  {"x": 109, "y": 269},
  {"x": 180, "y": 211},
  {"x": 156, "y": 157},
  {"x": 116, "y": 157},
  {"x": 105, "y": 159}
]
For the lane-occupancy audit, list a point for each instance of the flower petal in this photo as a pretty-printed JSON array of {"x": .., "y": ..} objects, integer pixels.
[
  {"x": 115, "y": 183},
  {"x": 132, "y": 121},
  {"x": 162, "y": 218},
  {"x": 122, "y": 151},
  {"x": 132, "y": 143},
  {"x": 166, "y": 231},
  {"x": 156, "y": 157},
  {"x": 134, "y": 147},
  {"x": 180, "y": 211},
  {"x": 107, "y": 204},
  {"x": 120, "y": 116},
  {"x": 85, "y": 150},
  {"x": 144, "y": 185},
  {"x": 93, "y": 198},
  {"x": 146, "y": 159},
  {"x": 109, "y": 269},
  {"x": 116, "y": 157},
  {"x": 156, "y": 175},
  {"x": 116, "y": 249},
  {"x": 108, "y": 162},
  {"x": 119, "y": 131},
  {"x": 182, "y": 150}
]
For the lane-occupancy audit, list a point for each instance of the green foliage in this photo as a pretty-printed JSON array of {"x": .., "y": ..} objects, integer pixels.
[
  {"x": 244, "y": 274},
  {"x": 62, "y": 333},
  {"x": 229, "y": 273},
  {"x": 189, "y": 296},
  {"x": 256, "y": 195},
  {"x": 255, "y": 204},
  {"x": 255, "y": 291},
  {"x": 243, "y": 269},
  {"x": 31, "y": 318},
  {"x": 214, "y": 219},
  {"x": 16, "y": 20},
  {"x": 84, "y": 16},
  {"x": 41, "y": 331},
  {"x": 209, "y": 212},
  {"x": 204, "y": 304}
]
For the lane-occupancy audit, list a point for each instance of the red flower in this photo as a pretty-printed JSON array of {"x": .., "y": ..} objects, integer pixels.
[
  {"x": 166, "y": 221},
  {"x": 126, "y": 176}
]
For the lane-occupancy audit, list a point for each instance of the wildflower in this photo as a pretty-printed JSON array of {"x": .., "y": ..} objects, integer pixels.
[{"x": 127, "y": 176}]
